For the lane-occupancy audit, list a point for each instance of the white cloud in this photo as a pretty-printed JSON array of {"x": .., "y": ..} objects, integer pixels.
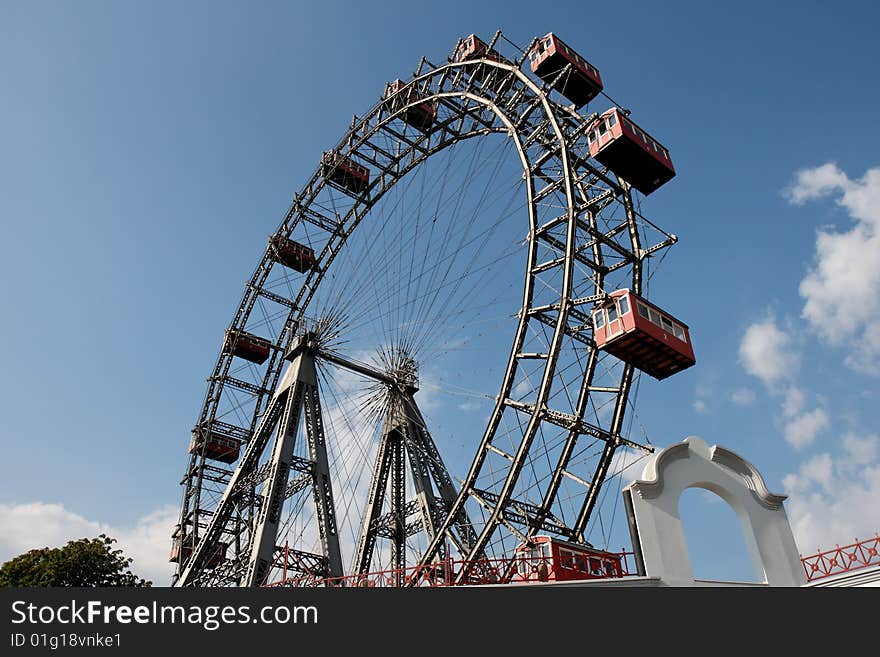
[
  {"x": 704, "y": 393},
  {"x": 835, "y": 500},
  {"x": 794, "y": 402},
  {"x": 628, "y": 465},
  {"x": 842, "y": 291},
  {"x": 860, "y": 451},
  {"x": 25, "y": 527},
  {"x": 818, "y": 470},
  {"x": 743, "y": 396},
  {"x": 803, "y": 429},
  {"x": 766, "y": 352},
  {"x": 833, "y": 497},
  {"x": 148, "y": 542},
  {"x": 811, "y": 184}
]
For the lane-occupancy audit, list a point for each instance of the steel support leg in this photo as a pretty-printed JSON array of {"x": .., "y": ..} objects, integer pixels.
[{"x": 322, "y": 488}]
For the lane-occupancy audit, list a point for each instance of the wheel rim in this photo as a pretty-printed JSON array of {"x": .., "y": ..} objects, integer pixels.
[{"x": 584, "y": 239}]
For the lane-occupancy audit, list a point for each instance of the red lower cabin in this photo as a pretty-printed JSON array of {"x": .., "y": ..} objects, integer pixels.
[
  {"x": 550, "y": 55},
  {"x": 345, "y": 172},
  {"x": 183, "y": 550},
  {"x": 630, "y": 152},
  {"x": 642, "y": 335},
  {"x": 298, "y": 257},
  {"x": 420, "y": 115},
  {"x": 217, "y": 446},
  {"x": 547, "y": 559},
  {"x": 246, "y": 345}
]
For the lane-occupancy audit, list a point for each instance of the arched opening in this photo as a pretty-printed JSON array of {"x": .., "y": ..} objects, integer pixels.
[{"x": 715, "y": 540}]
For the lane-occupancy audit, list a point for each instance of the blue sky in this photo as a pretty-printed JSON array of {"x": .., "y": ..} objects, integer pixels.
[{"x": 149, "y": 148}]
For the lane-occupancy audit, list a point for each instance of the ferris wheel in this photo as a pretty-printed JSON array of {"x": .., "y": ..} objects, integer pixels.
[{"x": 434, "y": 359}]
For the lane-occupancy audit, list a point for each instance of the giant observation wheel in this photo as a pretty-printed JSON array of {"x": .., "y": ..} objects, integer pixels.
[{"x": 429, "y": 294}]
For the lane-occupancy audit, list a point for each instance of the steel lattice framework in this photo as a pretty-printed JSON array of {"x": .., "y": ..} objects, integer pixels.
[{"x": 595, "y": 228}]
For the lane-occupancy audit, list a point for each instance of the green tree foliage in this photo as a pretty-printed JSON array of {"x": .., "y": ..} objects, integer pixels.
[{"x": 85, "y": 562}]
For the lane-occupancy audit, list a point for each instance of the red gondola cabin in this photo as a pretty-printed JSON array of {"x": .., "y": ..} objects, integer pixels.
[
  {"x": 246, "y": 345},
  {"x": 345, "y": 172},
  {"x": 550, "y": 55},
  {"x": 183, "y": 549},
  {"x": 630, "y": 152},
  {"x": 298, "y": 257},
  {"x": 420, "y": 115},
  {"x": 546, "y": 559},
  {"x": 473, "y": 47},
  {"x": 639, "y": 333},
  {"x": 217, "y": 446}
]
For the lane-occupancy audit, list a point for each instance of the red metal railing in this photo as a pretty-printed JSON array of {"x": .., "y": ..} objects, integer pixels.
[
  {"x": 443, "y": 573},
  {"x": 842, "y": 559},
  {"x": 847, "y": 558}
]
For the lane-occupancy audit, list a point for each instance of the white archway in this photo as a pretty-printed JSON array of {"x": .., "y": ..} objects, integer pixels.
[{"x": 652, "y": 505}]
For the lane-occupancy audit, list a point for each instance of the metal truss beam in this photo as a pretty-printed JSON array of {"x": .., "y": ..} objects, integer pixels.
[
  {"x": 405, "y": 433},
  {"x": 297, "y": 395},
  {"x": 525, "y": 514},
  {"x": 574, "y": 423},
  {"x": 302, "y": 382}
]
